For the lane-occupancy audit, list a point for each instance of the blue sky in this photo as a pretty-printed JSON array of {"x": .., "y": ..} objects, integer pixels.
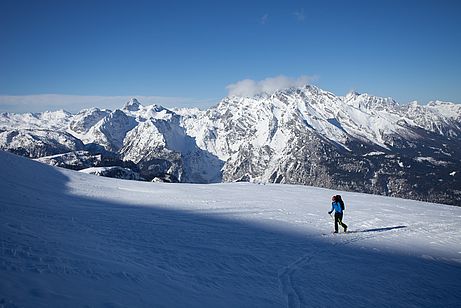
[{"x": 193, "y": 50}]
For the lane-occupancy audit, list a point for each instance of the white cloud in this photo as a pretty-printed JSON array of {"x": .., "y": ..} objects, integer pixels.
[
  {"x": 74, "y": 103},
  {"x": 249, "y": 87}
]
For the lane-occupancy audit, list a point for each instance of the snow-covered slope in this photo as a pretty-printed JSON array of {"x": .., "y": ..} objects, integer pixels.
[{"x": 70, "y": 239}]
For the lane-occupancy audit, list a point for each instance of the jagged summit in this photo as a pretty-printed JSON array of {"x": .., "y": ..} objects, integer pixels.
[
  {"x": 302, "y": 135},
  {"x": 353, "y": 93},
  {"x": 132, "y": 105},
  {"x": 306, "y": 135}
]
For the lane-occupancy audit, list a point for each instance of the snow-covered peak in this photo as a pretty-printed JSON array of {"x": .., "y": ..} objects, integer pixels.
[
  {"x": 259, "y": 120},
  {"x": 336, "y": 118},
  {"x": 155, "y": 112},
  {"x": 352, "y": 95},
  {"x": 132, "y": 105},
  {"x": 56, "y": 115},
  {"x": 111, "y": 130},
  {"x": 135, "y": 109},
  {"x": 308, "y": 88},
  {"x": 87, "y": 118},
  {"x": 55, "y": 120},
  {"x": 365, "y": 101},
  {"x": 447, "y": 109},
  {"x": 187, "y": 111}
]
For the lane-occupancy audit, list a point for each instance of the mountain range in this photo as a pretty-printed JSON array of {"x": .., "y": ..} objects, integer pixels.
[{"x": 303, "y": 135}]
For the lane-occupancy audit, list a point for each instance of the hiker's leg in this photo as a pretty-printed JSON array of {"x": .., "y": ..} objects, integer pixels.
[
  {"x": 341, "y": 221},
  {"x": 337, "y": 219}
]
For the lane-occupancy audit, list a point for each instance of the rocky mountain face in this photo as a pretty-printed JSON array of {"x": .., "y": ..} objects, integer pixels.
[
  {"x": 303, "y": 135},
  {"x": 38, "y": 142},
  {"x": 357, "y": 142},
  {"x": 114, "y": 172}
]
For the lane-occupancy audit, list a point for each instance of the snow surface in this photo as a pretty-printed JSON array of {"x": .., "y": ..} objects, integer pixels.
[{"x": 70, "y": 239}]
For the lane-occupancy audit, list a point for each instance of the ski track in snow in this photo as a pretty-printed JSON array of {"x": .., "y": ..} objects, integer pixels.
[
  {"x": 290, "y": 287},
  {"x": 290, "y": 290}
]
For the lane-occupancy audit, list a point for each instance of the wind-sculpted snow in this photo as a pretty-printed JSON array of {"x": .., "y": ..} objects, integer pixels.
[
  {"x": 301, "y": 135},
  {"x": 70, "y": 239}
]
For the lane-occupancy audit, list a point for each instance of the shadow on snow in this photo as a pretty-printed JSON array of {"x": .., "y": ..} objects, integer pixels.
[
  {"x": 377, "y": 229},
  {"x": 62, "y": 250}
]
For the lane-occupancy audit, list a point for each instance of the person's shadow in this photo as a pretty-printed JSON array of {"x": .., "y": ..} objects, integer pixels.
[{"x": 377, "y": 229}]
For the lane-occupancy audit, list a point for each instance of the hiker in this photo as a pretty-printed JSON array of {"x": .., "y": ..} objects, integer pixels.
[{"x": 337, "y": 205}]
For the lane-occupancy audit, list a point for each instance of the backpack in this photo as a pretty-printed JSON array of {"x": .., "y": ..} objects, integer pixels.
[{"x": 341, "y": 202}]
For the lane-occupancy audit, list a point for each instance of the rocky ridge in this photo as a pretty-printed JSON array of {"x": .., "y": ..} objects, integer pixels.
[{"x": 299, "y": 135}]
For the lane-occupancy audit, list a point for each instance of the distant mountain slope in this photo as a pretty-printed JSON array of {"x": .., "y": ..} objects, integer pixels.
[
  {"x": 357, "y": 142},
  {"x": 299, "y": 135}
]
